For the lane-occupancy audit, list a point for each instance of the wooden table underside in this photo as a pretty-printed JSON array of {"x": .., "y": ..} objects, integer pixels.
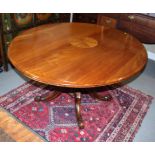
[{"x": 77, "y": 55}]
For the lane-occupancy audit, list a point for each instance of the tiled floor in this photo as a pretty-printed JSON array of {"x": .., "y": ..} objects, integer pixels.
[{"x": 144, "y": 82}]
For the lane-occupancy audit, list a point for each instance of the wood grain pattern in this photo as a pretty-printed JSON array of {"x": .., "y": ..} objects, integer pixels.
[
  {"x": 139, "y": 25},
  {"x": 4, "y": 137},
  {"x": 16, "y": 130},
  {"x": 45, "y": 54},
  {"x": 106, "y": 21},
  {"x": 84, "y": 42}
]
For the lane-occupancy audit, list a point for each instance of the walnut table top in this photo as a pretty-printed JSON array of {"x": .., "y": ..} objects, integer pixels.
[{"x": 77, "y": 55}]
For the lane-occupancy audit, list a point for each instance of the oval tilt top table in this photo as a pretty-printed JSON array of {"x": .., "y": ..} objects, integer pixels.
[{"x": 77, "y": 55}]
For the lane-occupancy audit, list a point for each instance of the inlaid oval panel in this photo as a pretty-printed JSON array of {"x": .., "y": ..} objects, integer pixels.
[
  {"x": 86, "y": 42},
  {"x": 77, "y": 55}
]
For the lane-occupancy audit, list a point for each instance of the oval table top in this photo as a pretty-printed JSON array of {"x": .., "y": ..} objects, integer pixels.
[{"x": 77, "y": 55}]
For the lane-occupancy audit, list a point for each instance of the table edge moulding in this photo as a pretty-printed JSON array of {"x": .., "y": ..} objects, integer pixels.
[
  {"x": 77, "y": 57},
  {"x": 14, "y": 53}
]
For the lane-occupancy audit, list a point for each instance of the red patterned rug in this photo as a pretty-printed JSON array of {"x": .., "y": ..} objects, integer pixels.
[{"x": 117, "y": 120}]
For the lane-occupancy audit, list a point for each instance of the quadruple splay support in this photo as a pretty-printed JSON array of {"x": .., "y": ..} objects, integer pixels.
[{"x": 77, "y": 96}]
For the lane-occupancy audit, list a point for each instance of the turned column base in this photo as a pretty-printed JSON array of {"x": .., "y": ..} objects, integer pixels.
[{"x": 77, "y": 96}]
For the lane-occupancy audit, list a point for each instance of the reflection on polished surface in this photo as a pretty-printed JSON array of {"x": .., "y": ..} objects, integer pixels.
[
  {"x": 45, "y": 54},
  {"x": 77, "y": 55}
]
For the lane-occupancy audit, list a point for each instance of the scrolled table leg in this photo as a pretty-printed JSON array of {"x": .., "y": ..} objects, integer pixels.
[
  {"x": 78, "y": 113},
  {"x": 51, "y": 96}
]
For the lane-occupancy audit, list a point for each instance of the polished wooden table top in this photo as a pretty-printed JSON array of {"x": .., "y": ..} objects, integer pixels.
[{"x": 77, "y": 55}]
